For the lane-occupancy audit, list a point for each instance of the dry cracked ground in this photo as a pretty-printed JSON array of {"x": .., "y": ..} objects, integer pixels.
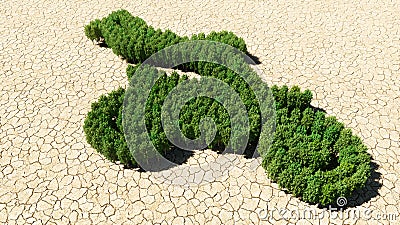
[{"x": 346, "y": 52}]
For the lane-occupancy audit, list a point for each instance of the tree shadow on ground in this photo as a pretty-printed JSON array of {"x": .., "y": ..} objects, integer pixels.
[
  {"x": 176, "y": 155},
  {"x": 369, "y": 191},
  {"x": 254, "y": 59},
  {"x": 250, "y": 152},
  {"x": 102, "y": 44},
  {"x": 317, "y": 109},
  {"x": 179, "y": 156}
]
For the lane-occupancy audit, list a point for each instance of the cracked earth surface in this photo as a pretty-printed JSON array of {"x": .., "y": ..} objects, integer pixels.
[{"x": 346, "y": 52}]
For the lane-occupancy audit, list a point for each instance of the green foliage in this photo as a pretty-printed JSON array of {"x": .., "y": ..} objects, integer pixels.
[
  {"x": 131, "y": 38},
  {"x": 197, "y": 109},
  {"x": 103, "y": 128},
  {"x": 156, "y": 99},
  {"x": 93, "y": 30},
  {"x": 225, "y": 37},
  {"x": 130, "y": 70},
  {"x": 312, "y": 155}
]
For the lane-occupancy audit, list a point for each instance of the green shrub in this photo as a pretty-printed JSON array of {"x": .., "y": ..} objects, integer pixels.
[
  {"x": 103, "y": 128},
  {"x": 93, "y": 30},
  {"x": 196, "y": 109},
  {"x": 131, "y": 38},
  {"x": 225, "y": 37},
  {"x": 313, "y": 156},
  {"x": 130, "y": 70}
]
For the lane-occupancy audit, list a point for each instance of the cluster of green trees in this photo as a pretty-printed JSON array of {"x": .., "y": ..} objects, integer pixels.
[
  {"x": 104, "y": 131},
  {"x": 196, "y": 109},
  {"x": 131, "y": 38},
  {"x": 203, "y": 106},
  {"x": 312, "y": 155}
]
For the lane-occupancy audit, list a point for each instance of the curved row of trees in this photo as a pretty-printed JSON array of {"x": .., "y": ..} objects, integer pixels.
[{"x": 312, "y": 155}]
